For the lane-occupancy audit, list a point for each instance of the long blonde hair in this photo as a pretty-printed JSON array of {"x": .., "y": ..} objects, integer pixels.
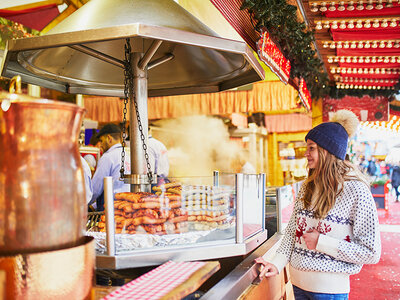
[{"x": 326, "y": 182}]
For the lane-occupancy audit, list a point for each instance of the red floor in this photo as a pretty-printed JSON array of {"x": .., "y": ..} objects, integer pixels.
[{"x": 382, "y": 281}]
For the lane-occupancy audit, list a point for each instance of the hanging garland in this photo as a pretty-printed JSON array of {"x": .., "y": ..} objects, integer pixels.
[{"x": 294, "y": 39}]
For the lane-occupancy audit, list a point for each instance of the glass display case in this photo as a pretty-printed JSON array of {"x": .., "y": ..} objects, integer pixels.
[{"x": 189, "y": 218}]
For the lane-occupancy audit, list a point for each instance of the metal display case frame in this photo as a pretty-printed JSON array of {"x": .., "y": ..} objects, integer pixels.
[{"x": 240, "y": 245}]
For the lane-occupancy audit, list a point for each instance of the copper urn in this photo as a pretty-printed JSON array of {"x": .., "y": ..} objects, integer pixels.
[{"x": 42, "y": 196}]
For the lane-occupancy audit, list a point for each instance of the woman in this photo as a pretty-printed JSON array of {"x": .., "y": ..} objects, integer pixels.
[{"x": 333, "y": 230}]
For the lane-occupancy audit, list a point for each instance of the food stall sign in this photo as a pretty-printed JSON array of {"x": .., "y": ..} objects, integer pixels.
[
  {"x": 304, "y": 94},
  {"x": 270, "y": 54}
]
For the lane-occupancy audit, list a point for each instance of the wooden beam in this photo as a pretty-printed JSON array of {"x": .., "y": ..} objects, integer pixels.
[{"x": 68, "y": 11}]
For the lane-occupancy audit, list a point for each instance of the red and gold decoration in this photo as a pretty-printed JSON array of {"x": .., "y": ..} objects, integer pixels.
[
  {"x": 366, "y": 108},
  {"x": 304, "y": 94},
  {"x": 359, "y": 42},
  {"x": 270, "y": 54}
]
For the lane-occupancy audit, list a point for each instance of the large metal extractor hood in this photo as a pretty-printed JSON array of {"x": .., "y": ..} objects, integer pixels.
[{"x": 84, "y": 54}]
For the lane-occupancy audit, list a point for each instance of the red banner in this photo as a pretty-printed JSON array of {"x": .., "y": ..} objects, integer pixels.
[
  {"x": 269, "y": 53},
  {"x": 366, "y": 108},
  {"x": 304, "y": 94}
]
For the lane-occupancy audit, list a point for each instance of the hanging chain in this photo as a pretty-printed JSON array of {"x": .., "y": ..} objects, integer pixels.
[
  {"x": 128, "y": 91},
  {"x": 126, "y": 97}
]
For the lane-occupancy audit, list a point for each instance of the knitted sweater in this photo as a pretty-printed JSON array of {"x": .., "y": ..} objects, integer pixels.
[{"x": 349, "y": 237}]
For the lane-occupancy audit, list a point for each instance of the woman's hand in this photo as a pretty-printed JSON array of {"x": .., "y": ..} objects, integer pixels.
[
  {"x": 268, "y": 269},
  {"x": 311, "y": 238}
]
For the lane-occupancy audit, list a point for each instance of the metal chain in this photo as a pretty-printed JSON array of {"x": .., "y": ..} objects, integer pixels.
[
  {"x": 126, "y": 95},
  {"x": 128, "y": 91}
]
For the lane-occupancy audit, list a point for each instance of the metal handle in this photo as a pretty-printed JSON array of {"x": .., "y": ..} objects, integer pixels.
[{"x": 15, "y": 85}]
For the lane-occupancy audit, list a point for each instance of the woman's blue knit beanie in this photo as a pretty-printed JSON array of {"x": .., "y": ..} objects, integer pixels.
[{"x": 331, "y": 136}]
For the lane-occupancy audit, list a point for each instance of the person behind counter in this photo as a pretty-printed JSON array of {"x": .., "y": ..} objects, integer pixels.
[
  {"x": 87, "y": 174},
  {"x": 109, "y": 163},
  {"x": 333, "y": 229}
]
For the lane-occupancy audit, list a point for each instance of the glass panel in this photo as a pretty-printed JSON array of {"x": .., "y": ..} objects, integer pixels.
[
  {"x": 186, "y": 211},
  {"x": 253, "y": 202}
]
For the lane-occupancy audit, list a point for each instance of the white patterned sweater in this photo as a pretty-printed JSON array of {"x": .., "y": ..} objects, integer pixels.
[{"x": 349, "y": 237}]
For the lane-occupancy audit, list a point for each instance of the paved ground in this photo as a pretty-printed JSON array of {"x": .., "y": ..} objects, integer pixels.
[{"x": 382, "y": 281}]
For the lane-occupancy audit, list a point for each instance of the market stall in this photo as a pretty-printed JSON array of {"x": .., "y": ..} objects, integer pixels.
[{"x": 112, "y": 56}]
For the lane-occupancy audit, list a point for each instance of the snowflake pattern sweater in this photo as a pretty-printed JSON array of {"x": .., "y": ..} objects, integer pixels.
[{"x": 349, "y": 237}]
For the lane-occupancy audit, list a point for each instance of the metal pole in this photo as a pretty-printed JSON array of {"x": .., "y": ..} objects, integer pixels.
[
  {"x": 239, "y": 208},
  {"x": 138, "y": 163},
  {"x": 262, "y": 196},
  {"x": 109, "y": 211}
]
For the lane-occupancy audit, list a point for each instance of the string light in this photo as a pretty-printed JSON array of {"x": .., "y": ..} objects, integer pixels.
[
  {"x": 360, "y": 6},
  {"x": 314, "y": 7},
  {"x": 341, "y": 6}
]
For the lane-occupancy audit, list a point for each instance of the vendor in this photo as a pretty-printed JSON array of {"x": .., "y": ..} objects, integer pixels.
[{"x": 109, "y": 164}]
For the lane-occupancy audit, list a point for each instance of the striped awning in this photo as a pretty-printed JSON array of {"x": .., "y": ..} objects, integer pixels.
[{"x": 240, "y": 20}]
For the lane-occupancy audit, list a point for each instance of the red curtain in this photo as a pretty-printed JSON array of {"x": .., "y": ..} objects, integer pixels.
[{"x": 363, "y": 34}]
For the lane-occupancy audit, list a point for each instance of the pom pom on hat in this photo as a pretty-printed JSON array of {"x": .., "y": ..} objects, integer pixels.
[
  {"x": 333, "y": 136},
  {"x": 347, "y": 119}
]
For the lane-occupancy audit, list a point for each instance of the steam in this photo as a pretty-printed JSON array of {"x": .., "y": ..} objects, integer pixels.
[{"x": 197, "y": 145}]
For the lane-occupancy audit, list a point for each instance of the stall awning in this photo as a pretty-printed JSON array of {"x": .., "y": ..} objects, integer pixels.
[{"x": 264, "y": 97}]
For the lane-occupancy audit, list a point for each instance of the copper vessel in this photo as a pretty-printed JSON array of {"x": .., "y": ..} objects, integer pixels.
[
  {"x": 59, "y": 274},
  {"x": 42, "y": 196}
]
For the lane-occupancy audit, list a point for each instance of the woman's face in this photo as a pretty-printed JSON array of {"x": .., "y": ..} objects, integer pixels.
[{"x": 312, "y": 154}]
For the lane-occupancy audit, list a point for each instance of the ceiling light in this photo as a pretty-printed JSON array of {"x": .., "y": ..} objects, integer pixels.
[
  {"x": 323, "y": 7},
  {"x": 342, "y": 25},
  {"x": 384, "y": 23},
  {"x": 370, "y": 5},
  {"x": 341, "y": 6},
  {"x": 326, "y": 25},
  {"x": 367, "y": 24},
  {"x": 367, "y": 60},
  {"x": 393, "y": 23},
  {"x": 374, "y": 45},
  {"x": 319, "y": 25},
  {"x": 359, "y": 24},
  {"x": 332, "y": 7},
  {"x": 360, "y": 5},
  {"x": 360, "y": 45},
  {"x": 334, "y": 25},
  {"x": 361, "y": 60},
  {"x": 339, "y": 45},
  {"x": 379, "y": 5},
  {"x": 350, "y": 25},
  {"x": 314, "y": 7},
  {"x": 350, "y": 6},
  {"x": 330, "y": 60},
  {"x": 389, "y": 4},
  {"x": 376, "y": 23}
]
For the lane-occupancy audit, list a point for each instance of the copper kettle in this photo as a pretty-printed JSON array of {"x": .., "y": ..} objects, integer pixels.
[{"x": 42, "y": 196}]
